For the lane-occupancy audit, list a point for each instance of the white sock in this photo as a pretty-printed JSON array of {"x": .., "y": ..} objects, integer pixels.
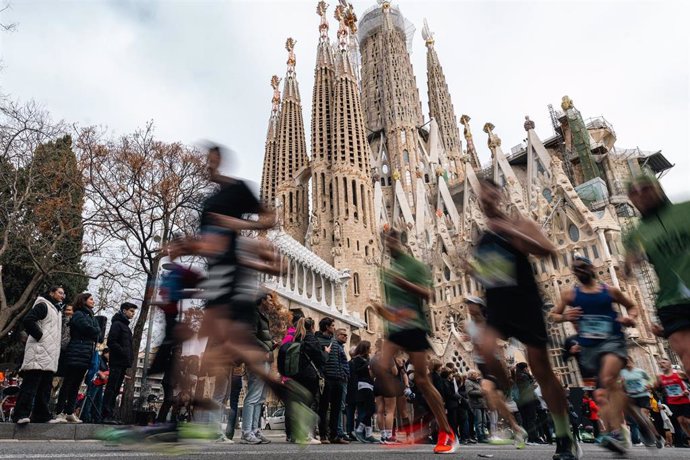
[
  {"x": 360, "y": 428},
  {"x": 368, "y": 430}
]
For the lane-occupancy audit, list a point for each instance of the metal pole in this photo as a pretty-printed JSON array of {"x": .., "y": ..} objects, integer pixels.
[{"x": 147, "y": 351}]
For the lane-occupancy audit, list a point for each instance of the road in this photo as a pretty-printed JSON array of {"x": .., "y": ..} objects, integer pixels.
[{"x": 278, "y": 450}]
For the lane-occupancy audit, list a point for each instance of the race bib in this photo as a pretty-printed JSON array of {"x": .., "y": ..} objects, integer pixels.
[
  {"x": 597, "y": 327},
  {"x": 495, "y": 267},
  {"x": 674, "y": 390},
  {"x": 635, "y": 386}
]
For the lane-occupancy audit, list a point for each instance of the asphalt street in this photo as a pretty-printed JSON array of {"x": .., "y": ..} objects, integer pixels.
[{"x": 280, "y": 450}]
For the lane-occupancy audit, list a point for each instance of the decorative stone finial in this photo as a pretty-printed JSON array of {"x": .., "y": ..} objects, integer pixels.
[
  {"x": 275, "y": 84},
  {"x": 529, "y": 124},
  {"x": 566, "y": 103},
  {"x": 321, "y": 11},
  {"x": 494, "y": 140},
  {"x": 290, "y": 47}
]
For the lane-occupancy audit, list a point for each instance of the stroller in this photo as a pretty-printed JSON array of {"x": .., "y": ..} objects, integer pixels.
[{"x": 8, "y": 399}]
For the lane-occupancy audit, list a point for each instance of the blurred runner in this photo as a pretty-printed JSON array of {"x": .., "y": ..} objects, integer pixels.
[
  {"x": 514, "y": 305},
  {"x": 407, "y": 286},
  {"x": 663, "y": 237}
]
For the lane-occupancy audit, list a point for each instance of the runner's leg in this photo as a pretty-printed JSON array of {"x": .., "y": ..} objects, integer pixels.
[
  {"x": 680, "y": 343},
  {"x": 553, "y": 392},
  {"x": 432, "y": 397},
  {"x": 612, "y": 411}
]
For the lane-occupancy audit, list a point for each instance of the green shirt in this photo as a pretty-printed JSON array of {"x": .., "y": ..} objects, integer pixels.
[
  {"x": 665, "y": 238},
  {"x": 400, "y": 300}
]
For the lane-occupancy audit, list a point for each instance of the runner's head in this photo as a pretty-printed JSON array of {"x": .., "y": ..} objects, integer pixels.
[
  {"x": 392, "y": 239},
  {"x": 476, "y": 306},
  {"x": 583, "y": 269},
  {"x": 665, "y": 365},
  {"x": 490, "y": 198},
  {"x": 646, "y": 194}
]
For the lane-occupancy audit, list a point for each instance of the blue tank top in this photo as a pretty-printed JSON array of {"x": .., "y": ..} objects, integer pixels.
[{"x": 598, "y": 321}]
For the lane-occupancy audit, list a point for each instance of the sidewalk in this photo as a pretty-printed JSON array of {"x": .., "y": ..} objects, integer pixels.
[{"x": 69, "y": 431}]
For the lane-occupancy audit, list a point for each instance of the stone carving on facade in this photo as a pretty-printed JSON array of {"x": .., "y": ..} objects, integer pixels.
[
  {"x": 321, "y": 11},
  {"x": 494, "y": 141},
  {"x": 336, "y": 232},
  {"x": 529, "y": 124},
  {"x": 292, "y": 60}
]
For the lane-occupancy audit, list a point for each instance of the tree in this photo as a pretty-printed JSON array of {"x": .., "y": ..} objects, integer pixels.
[
  {"x": 141, "y": 191},
  {"x": 41, "y": 214}
]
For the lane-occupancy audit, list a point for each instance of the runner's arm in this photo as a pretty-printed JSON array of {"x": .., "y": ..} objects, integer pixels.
[
  {"x": 266, "y": 220},
  {"x": 525, "y": 235},
  {"x": 416, "y": 289},
  {"x": 560, "y": 313},
  {"x": 626, "y": 301}
]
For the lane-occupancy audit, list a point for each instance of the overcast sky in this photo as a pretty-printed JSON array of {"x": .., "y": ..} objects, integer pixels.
[{"x": 201, "y": 69}]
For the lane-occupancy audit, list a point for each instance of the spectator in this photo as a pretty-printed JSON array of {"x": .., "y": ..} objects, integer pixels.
[
  {"x": 238, "y": 371},
  {"x": 341, "y": 337},
  {"x": 67, "y": 312},
  {"x": 590, "y": 411},
  {"x": 121, "y": 357},
  {"x": 463, "y": 410},
  {"x": 256, "y": 387},
  {"x": 451, "y": 397},
  {"x": 351, "y": 399},
  {"x": 477, "y": 404},
  {"x": 41, "y": 355},
  {"x": 335, "y": 374},
  {"x": 95, "y": 383},
  {"x": 366, "y": 406},
  {"x": 84, "y": 333},
  {"x": 527, "y": 402},
  {"x": 312, "y": 359}
]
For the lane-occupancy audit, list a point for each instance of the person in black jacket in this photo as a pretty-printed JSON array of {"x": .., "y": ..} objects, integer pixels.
[
  {"x": 84, "y": 333},
  {"x": 312, "y": 359},
  {"x": 121, "y": 357},
  {"x": 366, "y": 405},
  {"x": 451, "y": 398},
  {"x": 336, "y": 375}
]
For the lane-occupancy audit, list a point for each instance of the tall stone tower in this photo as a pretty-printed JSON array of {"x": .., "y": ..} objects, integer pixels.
[
  {"x": 268, "y": 178},
  {"x": 320, "y": 238},
  {"x": 355, "y": 242},
  {"x": 291, "y": 155},
  {"x": 441, "y": 108},
  {"x": 392, "y": 108}
]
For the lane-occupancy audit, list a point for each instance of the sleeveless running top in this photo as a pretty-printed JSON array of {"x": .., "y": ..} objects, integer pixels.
[
  {"x": 598, "y": 320},
  {"x": 674, "y": 388}
]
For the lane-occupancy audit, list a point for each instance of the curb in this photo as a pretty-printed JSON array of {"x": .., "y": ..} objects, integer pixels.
[{"x": 48, "y": 431}]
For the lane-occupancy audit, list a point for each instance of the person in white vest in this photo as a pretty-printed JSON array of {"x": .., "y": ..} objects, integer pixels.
[{"x": 41, "y": 354}]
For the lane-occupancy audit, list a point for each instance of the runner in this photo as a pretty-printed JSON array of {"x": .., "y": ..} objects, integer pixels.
[
  {"x": 495, "y": 397},
  {"x": 677, "y": 394},
  {"x": 663, "y": 236},
  {"x": 514, "y": 305},
  {"x": 407, "y": 286},
  {"x": 637, "y": 384},
  {"x": 602, "y": 342}
]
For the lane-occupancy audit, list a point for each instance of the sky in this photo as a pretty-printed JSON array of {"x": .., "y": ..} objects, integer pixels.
[{"x": 201, "y": 69}]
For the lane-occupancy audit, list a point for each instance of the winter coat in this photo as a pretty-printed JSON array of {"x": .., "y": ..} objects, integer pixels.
[
  {"x": 474, "y": 392},
  {"x": 311, "y": 350},
  {"x": 289, "y": 335},
  {"x": 262, "y": 332},
  {"x": 450, "y": 397},
  {"x": 43, "y": 324},
  {"x": 334, "y": 368},
  {"x": 84, "y": 332},
  {"x": 120, "y": 342}
]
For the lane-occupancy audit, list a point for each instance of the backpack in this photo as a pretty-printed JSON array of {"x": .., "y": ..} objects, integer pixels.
[{"x": 288, "y": 358}]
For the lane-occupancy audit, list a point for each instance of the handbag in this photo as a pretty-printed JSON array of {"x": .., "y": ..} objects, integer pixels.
[{"x": 322, "y": 380}]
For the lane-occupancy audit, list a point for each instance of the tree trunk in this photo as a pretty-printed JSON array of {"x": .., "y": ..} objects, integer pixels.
[{"x": 129, "y": 404}]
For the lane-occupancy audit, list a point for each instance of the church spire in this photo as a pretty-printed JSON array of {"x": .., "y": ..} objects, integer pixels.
[
  {"x": 291, "y": 154},
  {"x": 471, "y": 150},
  {"x": 268, "y": 179},
  {"x": 440, "y": 104},
  {"x": 321, "y": 142}
]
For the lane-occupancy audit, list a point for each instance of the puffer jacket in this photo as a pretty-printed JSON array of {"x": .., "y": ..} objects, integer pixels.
[
  {"x": 120, "y": 342},
  {"x": 474, "y": 392},
  {"x": 84, "y": 332},
  {"x": 334, "y": 369}
]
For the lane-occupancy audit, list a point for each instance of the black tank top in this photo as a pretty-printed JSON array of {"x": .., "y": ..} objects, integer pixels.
[{"x": 506, "y": 274}]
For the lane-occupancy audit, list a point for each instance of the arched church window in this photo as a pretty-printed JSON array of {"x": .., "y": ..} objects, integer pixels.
[
  {"x": 546, "y": 193},
  {"x": 406, "y": 156},
  {"x": 574, "y": 233}
]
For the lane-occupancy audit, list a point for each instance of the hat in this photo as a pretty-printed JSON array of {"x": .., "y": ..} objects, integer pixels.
[
  {"x": 582, "y": 258},
  {"x": 475, "y": 300}
]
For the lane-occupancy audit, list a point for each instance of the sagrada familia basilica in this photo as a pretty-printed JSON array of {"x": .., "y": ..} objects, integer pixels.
[{"x": 374, "y": 162}]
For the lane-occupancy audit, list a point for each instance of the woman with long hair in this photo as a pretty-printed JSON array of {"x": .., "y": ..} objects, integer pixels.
[
  {"x": 84, "y": 332},
  {"x": 366, "y": 404}
]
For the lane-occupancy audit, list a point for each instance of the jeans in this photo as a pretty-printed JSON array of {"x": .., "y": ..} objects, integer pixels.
[
  {"x": 91, "y": 411},
  {"x": 253, "y": 401},
  {"x": 34, "y": 396},
  {"x": 479, "y": 423},
  {"x": 235, "y": 389},
  {"x": 331, "y": 397},
  {"x": 74, "y": 376},
  {"x": 340, "y": 432},
  {"x": 112, "y": 389},
  {"x": 220, "y": 391}
]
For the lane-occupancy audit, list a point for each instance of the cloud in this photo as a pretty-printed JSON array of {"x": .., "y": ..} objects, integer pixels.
[{"x": 201, "y": 70}]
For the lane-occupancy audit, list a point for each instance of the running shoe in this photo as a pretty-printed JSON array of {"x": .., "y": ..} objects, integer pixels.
[
  {"x": 249, "y": 438},
  {"x": 447, "y": 443},
  {"x": 499, "y": 441},
  {"x": 372, "y": 440},
  {"x": 302, "y": 418},
  {"x": 260, "y": 436},
  {"x": 520, "y": 438},
  {"x": 196, "y": 432},
  {"x": 615, "y": 442}
]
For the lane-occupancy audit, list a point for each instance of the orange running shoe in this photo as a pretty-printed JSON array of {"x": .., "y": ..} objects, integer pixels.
[{"x": 447, "y": 443}]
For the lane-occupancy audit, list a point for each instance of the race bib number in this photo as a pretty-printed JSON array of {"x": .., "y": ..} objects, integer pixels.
[
  {"x": 597, "y": 327},
  {"x": 674, "y": 390},
  {"x": 495, "y": 267},
  {"x": 635, "y": 386}
]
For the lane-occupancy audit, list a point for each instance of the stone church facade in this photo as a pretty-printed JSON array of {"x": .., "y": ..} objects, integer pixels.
[{"x": 375, "y": 163}]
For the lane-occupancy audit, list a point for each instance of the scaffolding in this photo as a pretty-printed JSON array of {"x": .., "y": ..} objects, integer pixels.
[{"x": 372, "y": 21}]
